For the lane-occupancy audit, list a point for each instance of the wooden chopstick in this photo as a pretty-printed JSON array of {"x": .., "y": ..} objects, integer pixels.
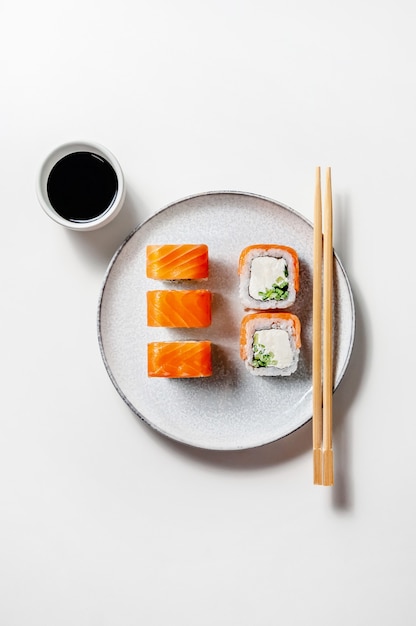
[
  {"x": 328, "y": 457},
  {"x": 317, "y": 334},
  {"x": 322, "y": 375}
]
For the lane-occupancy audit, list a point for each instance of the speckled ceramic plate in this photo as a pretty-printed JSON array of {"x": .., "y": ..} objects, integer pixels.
[{"x": 232, "y": 409}]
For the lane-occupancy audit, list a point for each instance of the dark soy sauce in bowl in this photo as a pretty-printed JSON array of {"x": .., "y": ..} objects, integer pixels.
[{"x": 82, "y": 186}]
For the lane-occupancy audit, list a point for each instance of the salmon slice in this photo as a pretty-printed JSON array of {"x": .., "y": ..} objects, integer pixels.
[
  {"x": 177, "y": 262},
  {"x": 179, "y": 309},
  {"x": 179, "y": 359}
]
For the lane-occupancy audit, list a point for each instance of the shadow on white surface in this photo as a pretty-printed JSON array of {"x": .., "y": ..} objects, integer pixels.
[
  {"x": 99, "y": 246},
  {"x": 342, "y": 410}
]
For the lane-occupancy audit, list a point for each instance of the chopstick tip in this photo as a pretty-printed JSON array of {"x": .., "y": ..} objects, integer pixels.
[
  {"x": 317, "y": 467},
  {"x": 328, "y": 458}
]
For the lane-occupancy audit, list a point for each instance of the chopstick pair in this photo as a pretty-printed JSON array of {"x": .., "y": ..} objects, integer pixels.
[{"x": 322, "y": 374}]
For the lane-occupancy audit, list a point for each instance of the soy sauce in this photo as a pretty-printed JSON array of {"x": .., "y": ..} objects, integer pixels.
[{"x": 81, "y": 186}]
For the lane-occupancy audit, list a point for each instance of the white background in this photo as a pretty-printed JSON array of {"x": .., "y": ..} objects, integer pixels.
[{"x": 104, "y": 522}]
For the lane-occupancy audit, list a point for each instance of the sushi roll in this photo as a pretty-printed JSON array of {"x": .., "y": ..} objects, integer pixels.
[
  {"x": 177, "y": 262},
  {"x": 179, "y": 309},
  {"x": 270, "y": 343},
  {"x": 269, "y": 276},
  {"x": 179, "y": 359}
]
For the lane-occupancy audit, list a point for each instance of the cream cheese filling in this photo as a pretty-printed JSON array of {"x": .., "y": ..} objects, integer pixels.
[
  {"x": 272, "y": 347},
  {"x": 265, "y": 272}
]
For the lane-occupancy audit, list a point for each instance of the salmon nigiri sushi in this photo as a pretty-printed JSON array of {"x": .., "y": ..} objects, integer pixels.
[
  {"x": 179, "y": 309},
  {"x": 177, "y": 262},
  {"x": 270, "y": 343},
  {"x": 179, "y": 359},
  {"x": 269, "y": 276}
]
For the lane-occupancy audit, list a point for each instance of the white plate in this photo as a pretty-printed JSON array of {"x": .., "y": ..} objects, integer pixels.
[{"x": 232, "y": 409}]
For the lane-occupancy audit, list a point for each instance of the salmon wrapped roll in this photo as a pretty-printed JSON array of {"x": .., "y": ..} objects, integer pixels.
[
  {"x": 179, "y": 359},
  {"x": 179, "y": 309},
  {"x": 269, "y": 276},
  {"x": 177, "y": 262},
  {"x": 270, "y": 343}
]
